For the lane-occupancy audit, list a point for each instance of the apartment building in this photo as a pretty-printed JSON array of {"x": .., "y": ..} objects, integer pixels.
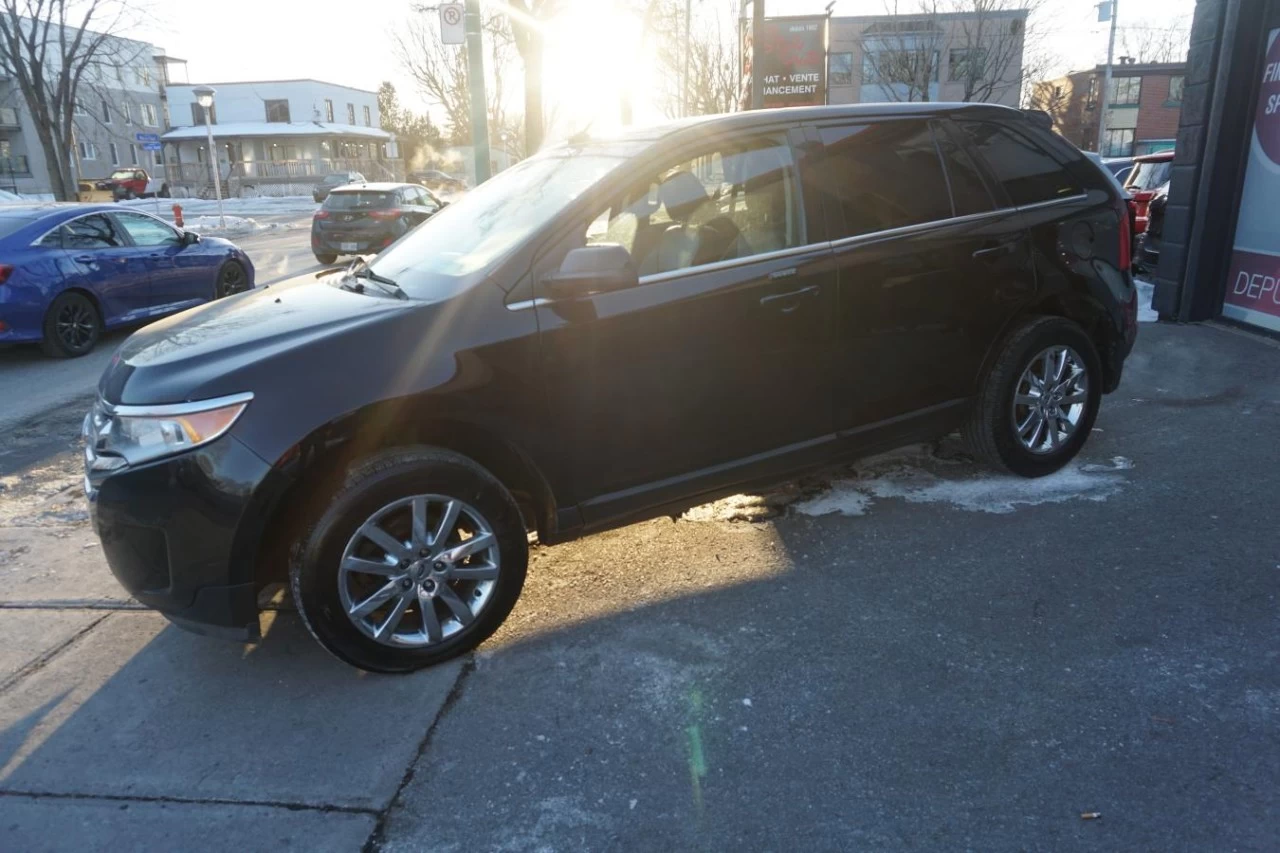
[{"x": 1143, "y": 107}]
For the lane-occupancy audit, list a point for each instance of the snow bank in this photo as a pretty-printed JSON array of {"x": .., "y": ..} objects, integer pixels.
[
  {"x": 1146, "y": 291},
  {"x": 234, "y": 226},
  {"x": 193, "y": 207}
]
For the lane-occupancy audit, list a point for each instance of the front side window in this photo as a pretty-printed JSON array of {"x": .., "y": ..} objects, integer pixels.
[
  {"x": 145, "y": 231},
  {"x": 1027, "y": 172},
  {"x": 737, "y": 200},
  {"x": 1125, "y": 91},
  {"x": 277, "y": 111},
  {"x": 92, "y": 232},
  {"x": 882, "y": 176},
  {"x": 840, "y": 72}
]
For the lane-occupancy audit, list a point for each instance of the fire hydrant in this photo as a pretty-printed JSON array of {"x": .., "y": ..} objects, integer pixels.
[{"x": 177, "y": 215}]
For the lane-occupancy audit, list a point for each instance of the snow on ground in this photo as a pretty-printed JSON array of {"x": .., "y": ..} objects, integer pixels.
[
  {"x": 193, "y": 207},
  {"x": 918, "y": 474},
  {"x": 239, "y": 226},
  {"x": 1146, "y": 291}
]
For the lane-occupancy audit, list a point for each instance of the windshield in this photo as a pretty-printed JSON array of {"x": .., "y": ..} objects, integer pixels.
[
  {"x": 491, "y": 220},
  {"x": 123, "y": 175},
  {"x": 335, "y": 179},
  {"x": 357, "y": 201}
]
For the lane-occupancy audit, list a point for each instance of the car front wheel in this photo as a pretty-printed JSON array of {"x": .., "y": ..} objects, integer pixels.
[
  {"x": 1037, "y": 405},
  {"x": 417, "y": 559},
  {"x": 72, "y": 326},
  {"x": 232, "y": 279}
]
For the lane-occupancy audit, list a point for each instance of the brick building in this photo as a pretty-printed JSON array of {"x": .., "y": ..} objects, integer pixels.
[{"x": 1142, "y": 113}]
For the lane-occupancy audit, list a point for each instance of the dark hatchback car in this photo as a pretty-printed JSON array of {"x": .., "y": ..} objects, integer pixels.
[
  {"x": 334, "y": 180},
  {"x": 609, "y": 331},
  {"x": 368, "y": 217}
]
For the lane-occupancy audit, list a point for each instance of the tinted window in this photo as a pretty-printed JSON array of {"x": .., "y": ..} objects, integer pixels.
[
  {"x": 92, "y": 232},
  {"x": 146, "y": 231},
  {"x": 1148, "y": 176},
  {"x": 883, "y": 176},
  {"x": 359, "y": 201},
  {"x": 737, "y": 200},
  {"x": 968, "y": 189},
  {"x": 1026, "y": 171}
]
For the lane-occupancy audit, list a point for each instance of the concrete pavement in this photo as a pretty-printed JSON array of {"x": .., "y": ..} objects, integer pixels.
[{"x": 954, "y": 659}]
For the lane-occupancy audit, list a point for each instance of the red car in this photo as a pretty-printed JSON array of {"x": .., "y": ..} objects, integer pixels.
[
  {"x": 1150, "y": 172},
  {"x": 134, "y": 183}
]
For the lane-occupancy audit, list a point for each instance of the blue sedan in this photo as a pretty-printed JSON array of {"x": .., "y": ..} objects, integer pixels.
[{"x": 69, "y": 272}]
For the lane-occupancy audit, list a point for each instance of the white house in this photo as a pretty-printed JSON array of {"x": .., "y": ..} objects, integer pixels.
[{"x": 279, "y": 136}]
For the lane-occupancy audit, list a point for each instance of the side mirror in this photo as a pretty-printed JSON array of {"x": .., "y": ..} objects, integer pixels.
[
  {"x": 600, "y": 268},
  {"x": 190, "y": 238}
]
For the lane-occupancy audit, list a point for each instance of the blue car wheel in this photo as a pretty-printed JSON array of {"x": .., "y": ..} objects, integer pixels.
[
  {"x": 72, "y": 326},
  {"x": 231, "y": 280}
]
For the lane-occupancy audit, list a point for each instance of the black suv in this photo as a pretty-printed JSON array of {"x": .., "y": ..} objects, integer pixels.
[
  {"x": 609, "y": 331},
  {"x": 361, "y": 218}
]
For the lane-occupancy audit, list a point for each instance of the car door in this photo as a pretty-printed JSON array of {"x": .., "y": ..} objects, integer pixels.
[
  {"x": 914, "y": 278},
  {"x": 101, "y": 260},
  {"x": 721, "y": 351},
  {"x": 179, "y": 273}
]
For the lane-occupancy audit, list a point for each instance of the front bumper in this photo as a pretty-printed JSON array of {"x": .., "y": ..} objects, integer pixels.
[{"x": 182, "y": 535}]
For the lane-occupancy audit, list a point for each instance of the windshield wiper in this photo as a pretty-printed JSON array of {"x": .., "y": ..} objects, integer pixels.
[{"x": 385, "y": 284}]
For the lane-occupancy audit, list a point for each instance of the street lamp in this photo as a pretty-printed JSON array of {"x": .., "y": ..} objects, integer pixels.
[{"x": 204, "y": 97}]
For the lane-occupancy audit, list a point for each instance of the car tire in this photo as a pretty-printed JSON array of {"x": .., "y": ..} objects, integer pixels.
[
  {"x": 326, "y": 259},
  {"x": 232, "y": 279},
  {"x": 434, "y": 619},
  {"x": 1020, "y": 422},
  {"x": 72, "y": 326}
]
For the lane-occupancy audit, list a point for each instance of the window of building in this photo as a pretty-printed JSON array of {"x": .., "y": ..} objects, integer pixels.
[
  {"x": 883, "y": 176},
  {"x": 106, "y": 111},
  {"x": 127, "y": 112},
  {"x": 1125, "y": 91},
  {"x": 149, "y": 116},
  {"x": 115, "y": 154},
  {"x": 157, "y": 158},
  {"x": 968, "y": 63},
  {"x": 328, "y": 109},
  {"x": 732, "y": 201},
  {"x": 368, "y": 117},
  {"x": 1027, "y": 172},
  {"x": 1175, "y": 90},
  {"x": 277, "y": 111},
  {"x": 840, "y": 69},
  {"x": 8, "y": 116},
  {"x": 197, "y": 114},
  {"x": 133, "y": 154},
  {"x": 80, "y": 110},
  {"x": 351, "y": 113},
  {"x": 278, "y": 151},
  {"x": 1118, "y": 143},
  {"x": 142, "y": 76},
  {"x": 902, "y": 66},
  {"x": 88, "y": 151}
]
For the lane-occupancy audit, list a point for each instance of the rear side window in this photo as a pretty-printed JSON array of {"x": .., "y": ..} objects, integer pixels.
[
  {"x": 359, "y": 201},
  {"x": 11, "y": 224},
  {"x": 1027, "y": 172},
  {"x": 968, "y": 189},
  {"x": 1149, "y": 176},
  {"x": 882, "y": 176}
]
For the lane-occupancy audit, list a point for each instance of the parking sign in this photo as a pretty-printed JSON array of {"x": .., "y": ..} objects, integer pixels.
[{"x": 452, "y": 30}]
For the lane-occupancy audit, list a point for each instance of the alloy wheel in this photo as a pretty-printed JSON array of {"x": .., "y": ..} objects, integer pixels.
[
  {"x": 231, "y": 280},
  {"x": 1050, "y": 399},
  {"x": 418, "y": 571},
  {"x": 75, "y": 325}
]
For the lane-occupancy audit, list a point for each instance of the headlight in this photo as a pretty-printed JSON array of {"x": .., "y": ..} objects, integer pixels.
[{"x": 130, "y": 435}]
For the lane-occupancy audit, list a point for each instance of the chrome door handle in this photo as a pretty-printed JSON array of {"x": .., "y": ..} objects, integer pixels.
[{"x": 811, "y": 290}]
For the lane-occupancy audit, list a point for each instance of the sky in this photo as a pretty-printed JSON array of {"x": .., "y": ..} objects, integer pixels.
[{"x": 236, "y": 40}]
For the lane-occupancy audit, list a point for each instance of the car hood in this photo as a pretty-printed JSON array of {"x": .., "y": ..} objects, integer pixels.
[{"x": 189, "y": 356}]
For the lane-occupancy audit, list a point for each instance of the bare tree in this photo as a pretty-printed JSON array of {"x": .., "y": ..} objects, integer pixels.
[
  {"x": 440, "y": 71},
  {"x": 1149, "y": 41},
  {"x": 988, "y": 49},
  {"x": 53, "y": 48},
  {"x": 902, "y": 52},
  {"x": 712, "y": 80},
  {"x": 527, "y": 19}
]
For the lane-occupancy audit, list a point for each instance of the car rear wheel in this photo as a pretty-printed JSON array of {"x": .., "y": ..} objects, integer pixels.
[
  {"x": 232, "y": 279},
  {"x": 418, "y": 558},
  {"x": 1037, "y": 405},
  {"x": 72, "y": 326},
  {"x": 326, "y": 258}
]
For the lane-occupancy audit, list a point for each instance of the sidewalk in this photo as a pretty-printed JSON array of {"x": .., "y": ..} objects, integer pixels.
[{"x": 915, "y": 653}]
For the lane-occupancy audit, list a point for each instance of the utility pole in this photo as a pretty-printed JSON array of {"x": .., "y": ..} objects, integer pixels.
[
  {"x": 475, "y": 75},
  {"x": 1104, "y": 99},
  {"x": 684, "y": 100},
  {"x": 757, "y": 75}
]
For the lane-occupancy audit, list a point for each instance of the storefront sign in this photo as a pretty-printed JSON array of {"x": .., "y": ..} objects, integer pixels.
[
  {"x": 1253, "y": 286},
  {"x": 792, "y": 53}
]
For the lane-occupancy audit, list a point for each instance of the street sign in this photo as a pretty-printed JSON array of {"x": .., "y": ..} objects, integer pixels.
[
  {"x": 152, "y": 146},
  {"x": 452, "y": 29},
  {"x": 147, "y": 137}
]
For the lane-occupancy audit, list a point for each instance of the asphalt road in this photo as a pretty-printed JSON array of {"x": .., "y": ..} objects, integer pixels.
[
  {"x": 960, "y": 661},
  {"x": 31, "y": 383}
]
